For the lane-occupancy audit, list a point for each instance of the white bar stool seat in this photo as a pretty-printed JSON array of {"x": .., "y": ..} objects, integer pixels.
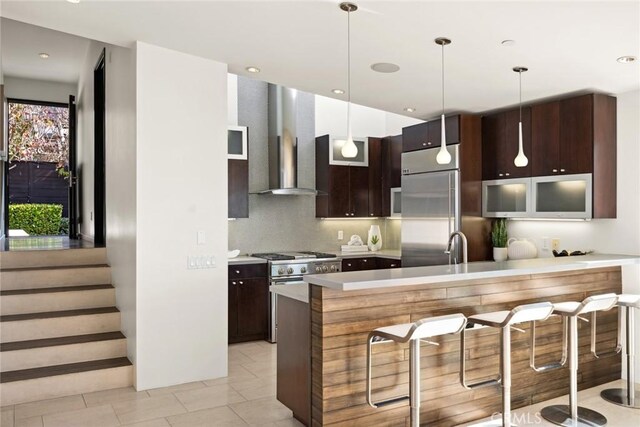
[
  {"x": 628, "y": 397},
  {"x": 572, "y": 415},
  {"x": 414, "y": 333},
  {"x": 505, "y": 321}
]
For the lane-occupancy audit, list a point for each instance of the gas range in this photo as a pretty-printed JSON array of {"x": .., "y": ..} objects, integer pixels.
[{"x": 297, "y": 264}]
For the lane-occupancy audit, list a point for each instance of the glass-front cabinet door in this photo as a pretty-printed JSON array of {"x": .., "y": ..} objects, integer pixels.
[
  {"x": 506, "y": 198},
  {"x": 566, "y": 196}
]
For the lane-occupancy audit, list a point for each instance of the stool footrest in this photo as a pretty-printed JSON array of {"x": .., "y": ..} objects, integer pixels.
[
  {"x": 390, "y": 401},
  {"x": 483, "y": 383}
]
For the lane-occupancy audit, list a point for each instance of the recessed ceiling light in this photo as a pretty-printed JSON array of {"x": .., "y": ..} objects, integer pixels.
[
  {"x": 253, "y": 69},
  {"x": 626, "y": 59},
  {"x": 410, "y": 109},
  {"x": 385, "y": 67},
  {"x": 337, "y": 91},
  {"x": 74, "y": 1},
  {"x": 508, "y": 42},
  {"x": 43, "y": 55}
]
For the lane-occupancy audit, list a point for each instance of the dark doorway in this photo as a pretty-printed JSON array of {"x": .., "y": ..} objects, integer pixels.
[{"x": 99, "y": 77}]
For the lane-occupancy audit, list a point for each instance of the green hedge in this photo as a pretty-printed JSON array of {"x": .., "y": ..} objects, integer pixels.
[{"x": 36, "y": 219}]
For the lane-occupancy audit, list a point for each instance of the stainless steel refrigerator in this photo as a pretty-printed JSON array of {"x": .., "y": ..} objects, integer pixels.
[{"x": 430, "y": 207}]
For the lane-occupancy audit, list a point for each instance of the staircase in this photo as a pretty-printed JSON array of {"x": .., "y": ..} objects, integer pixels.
[{"x": 59, "y": 327}]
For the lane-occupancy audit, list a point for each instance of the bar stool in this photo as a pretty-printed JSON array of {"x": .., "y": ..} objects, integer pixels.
[
  {"x": 572, "y": 415},
  {"x": 413, "y": 333},
  {"x": 505, "y": 321},
  {"x": 620, "y": 396}
]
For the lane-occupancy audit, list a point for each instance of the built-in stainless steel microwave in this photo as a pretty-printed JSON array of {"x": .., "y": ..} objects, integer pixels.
[{"x": 559, "y": 196}]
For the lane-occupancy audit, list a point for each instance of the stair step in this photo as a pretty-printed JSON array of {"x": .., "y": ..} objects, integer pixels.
[
  {"x": 71, "y": 368},
  {"x": 63, "y": 350},
  {"x": 46, "y": 258},
  {"x": 49, "y": 382},
  {"x": 21, "y": 301},
  {"x": 54, "y": 277},
  {"x": 34, "y": 326}
]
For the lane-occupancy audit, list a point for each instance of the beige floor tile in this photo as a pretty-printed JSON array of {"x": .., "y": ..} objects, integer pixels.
[
  {"x": 209, "y": 397},
  {"x": 238, "y": 358},
  {"x": 291, "y": 422},
  {"x": 261, "y": 411},
  {"x": 176, "y": 388},
  {"x": 263, "y": 368},
  {"x": 6, "y": 416},
  {"x": 236, "y": 373},
  {"x": 29, "y": 422},
  {"x": 222, "y": 416},
  {"x": 158, "y": 422},
  {"x": 96, "y": 416},
  {"x": 50, "y": 406},
  {"x": 132, "y": 411},
  {"x": 257, "y": 388},
  {"x": 99, "y": 398}
]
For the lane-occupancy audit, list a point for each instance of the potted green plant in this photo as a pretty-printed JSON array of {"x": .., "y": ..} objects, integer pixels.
[{"x": 499, "y": 239}]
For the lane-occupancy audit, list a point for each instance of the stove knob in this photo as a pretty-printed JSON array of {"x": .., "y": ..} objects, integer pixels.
[
  {"x": 318, "y": 269},
  {"x": 290, "y": 270},
  {"x": 281, "y": 270},
  {"x": 303, "y": 270},
  {"x": 333, "y": 268},
  {"x": 325, "y": 268}
]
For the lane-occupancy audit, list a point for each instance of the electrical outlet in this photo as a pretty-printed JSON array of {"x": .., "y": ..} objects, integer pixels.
[
  {"x": 555, "y": 244},
  {"x": 202, "y": 237},
  {"x": 340, "y": 235}
]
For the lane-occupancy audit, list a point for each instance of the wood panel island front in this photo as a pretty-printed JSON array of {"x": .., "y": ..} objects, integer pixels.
[{"x": 323, "y": 328}]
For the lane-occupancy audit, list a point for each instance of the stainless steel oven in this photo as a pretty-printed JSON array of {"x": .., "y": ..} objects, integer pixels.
[{"x": 288, "y": 268}]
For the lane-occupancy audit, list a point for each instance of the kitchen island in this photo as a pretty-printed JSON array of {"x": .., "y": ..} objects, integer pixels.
[{"x": 323, "y": 342}]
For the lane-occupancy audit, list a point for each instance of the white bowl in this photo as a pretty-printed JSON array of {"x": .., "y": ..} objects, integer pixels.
[{"x": 233, "y": 254}]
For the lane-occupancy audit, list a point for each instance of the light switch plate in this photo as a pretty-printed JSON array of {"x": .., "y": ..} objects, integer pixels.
[
  {"x": 340, "y": 235},
  {"x": 198, "y": 262},
  {"x": 202, "y": 237}
]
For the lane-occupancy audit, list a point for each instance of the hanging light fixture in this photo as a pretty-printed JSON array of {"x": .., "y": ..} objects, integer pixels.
[
  {"x": 349, "y": 149},
  {"x": 520, "y": 160},
  {"x": 443, "y": 156}
]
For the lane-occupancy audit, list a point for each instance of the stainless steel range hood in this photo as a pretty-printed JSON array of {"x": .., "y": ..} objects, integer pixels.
[{"x": 283, "y": 144}]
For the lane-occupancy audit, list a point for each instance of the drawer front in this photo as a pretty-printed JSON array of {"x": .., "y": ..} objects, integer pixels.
[
  {"x": 368, "y": 263},
  {"x": 351, "y": 264},
  {"x": 243, "y": 271},
  {"x": 389, "y": 263}
]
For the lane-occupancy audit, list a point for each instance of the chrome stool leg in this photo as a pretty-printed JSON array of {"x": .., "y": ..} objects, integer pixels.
[
  {"x": 629, "y": 397},
  {"x": 414, "y": 381},
  {"x": 505, "y": 373},
  {"x": 572, "y": 415}
]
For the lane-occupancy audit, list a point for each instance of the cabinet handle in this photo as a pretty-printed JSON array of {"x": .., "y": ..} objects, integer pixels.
[
  {"x": 348, "y": 264},
  {"x": 500, "y": 174},
  {"x": 561, "y": 170},
  {"x": 240, "y": 283},
  {"x": 347, "y": 214},
  {"x": 352, "y": 214},
  {"x": 233, "y": 283},
  {"x": 424, "y": 144},
  {"x": 364, "y": 260},
  {"x": 555, "y": 170},
  {"x": 507, "y": 174},
  {"x": 237, "y": 271},
  {"x": 372, "y": 214},
  {"x": 392, "y": 265}
]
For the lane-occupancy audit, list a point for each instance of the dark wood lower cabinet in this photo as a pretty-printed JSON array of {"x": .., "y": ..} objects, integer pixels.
[
  {"x": 248, "y": 303},
  {"x": 369, "y": 263}
]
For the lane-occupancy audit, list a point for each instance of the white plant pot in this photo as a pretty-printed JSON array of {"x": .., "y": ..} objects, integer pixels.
[
  {"x": 499, "y": 254},
  {"x": 374, "y": 230}
]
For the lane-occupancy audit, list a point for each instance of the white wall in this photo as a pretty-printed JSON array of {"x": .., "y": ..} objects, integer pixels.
[
  {"x": 120, "y": 172},
  {"x": 617, "y": 236},
  {"x": 39, "y": 90},
  {"x": 331, "y": 118},
  {"x": 232, "y": 99},
  {"x": 181, "y": 188}
]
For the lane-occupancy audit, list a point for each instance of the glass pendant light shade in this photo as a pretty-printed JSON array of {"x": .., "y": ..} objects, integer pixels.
[
  {"x": 349, "y": 149},
  {"x": 443, "y": 156},
  {"x": 521, "y": 160}
]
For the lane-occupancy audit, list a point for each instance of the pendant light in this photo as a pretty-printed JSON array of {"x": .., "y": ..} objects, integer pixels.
[
  {"x": 521, "y": 160},
  {"x": 443, "y": 156},
  {"x": 349, "y": 149}
]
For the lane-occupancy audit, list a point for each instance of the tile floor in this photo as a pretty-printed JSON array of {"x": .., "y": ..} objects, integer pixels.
[{"x": 245, "y": 398}]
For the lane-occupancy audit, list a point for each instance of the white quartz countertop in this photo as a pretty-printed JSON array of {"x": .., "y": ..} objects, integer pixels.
[
  {"x": 385, "y": 253},
  {"x": 246, "y": 260},
  {"x": 370, "y": 279},
  {"x": 298, "y": 291}
]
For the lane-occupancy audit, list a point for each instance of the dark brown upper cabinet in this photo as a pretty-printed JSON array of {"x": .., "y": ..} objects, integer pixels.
[
  {"x": 428, "y": 134},
  {"x": 238, "y": 196},
  {"x": 576, "y": 135},
  {"x": 545, "y": 139},
  {"x": 500, "y": 144},
  {"x": 343, "y": 190},
  {"x": 375, "y": 177},
  {"x": 391, "y": 170}
]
